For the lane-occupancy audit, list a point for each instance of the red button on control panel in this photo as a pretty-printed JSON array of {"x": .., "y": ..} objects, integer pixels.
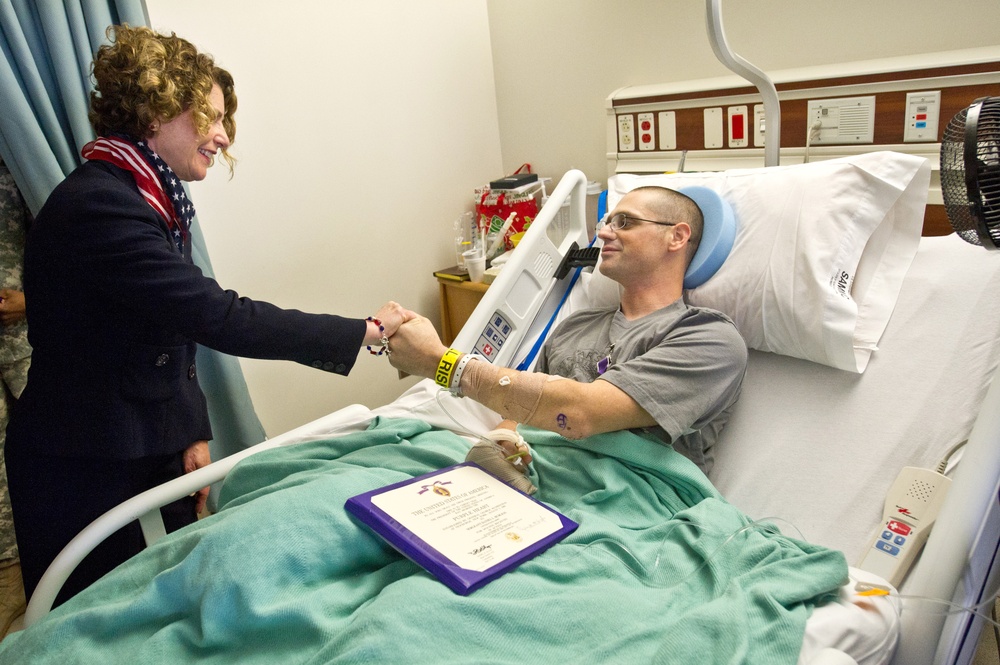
[{"x": 898, "y": 527}]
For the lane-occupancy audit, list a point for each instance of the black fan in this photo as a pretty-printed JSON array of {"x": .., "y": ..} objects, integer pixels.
[{"x": 970, "y": 172}]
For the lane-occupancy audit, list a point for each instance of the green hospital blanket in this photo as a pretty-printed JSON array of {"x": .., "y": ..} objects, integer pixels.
[{"x": 660, "y": 570}]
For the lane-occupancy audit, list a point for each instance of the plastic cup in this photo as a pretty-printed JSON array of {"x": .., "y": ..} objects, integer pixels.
[{"x": 475, "y": 263}]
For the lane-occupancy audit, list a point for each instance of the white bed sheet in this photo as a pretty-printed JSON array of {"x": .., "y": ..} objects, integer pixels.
[{"x": 835, "y": 440}]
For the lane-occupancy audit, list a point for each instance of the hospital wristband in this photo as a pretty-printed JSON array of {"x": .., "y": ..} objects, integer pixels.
[
  {"x": 456, "y": 379},
  {"x": 446, "y": 368}
]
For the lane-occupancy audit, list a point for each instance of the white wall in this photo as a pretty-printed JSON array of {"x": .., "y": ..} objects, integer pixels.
[
  {"x": 556, "y": 61},
  {"x": 362, "y": 130}
]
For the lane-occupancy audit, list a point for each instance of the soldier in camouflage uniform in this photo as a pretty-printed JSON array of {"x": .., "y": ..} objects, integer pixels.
[{"x": 15, "y": 355}]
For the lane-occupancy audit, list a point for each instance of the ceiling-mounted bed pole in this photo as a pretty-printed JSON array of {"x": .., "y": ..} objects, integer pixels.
[{"x": 772, "y": 110}]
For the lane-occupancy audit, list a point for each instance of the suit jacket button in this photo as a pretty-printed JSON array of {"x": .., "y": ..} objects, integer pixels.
[
  {"x": 318, "y": 364},
  {"x": 340, "y": 368},
  {"x": 191, "y": 371},
  {"x": 162, "y": 359},
  {"x": 328, "y": 366}
]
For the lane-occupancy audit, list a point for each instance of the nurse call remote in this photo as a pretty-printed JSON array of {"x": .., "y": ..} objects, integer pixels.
[{"x": 911, "y": 508}]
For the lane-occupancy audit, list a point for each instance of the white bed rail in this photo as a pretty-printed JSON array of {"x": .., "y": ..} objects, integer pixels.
[
  {"x": 524, "y": 286},
  {"x": 944, "y": 561},
  {"x": 145, "y": 508}
]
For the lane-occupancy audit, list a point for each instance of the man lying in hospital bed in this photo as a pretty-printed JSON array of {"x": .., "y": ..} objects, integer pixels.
[
  {"x": 662, "y": 568},
  {"x": 652, "y": 363}
]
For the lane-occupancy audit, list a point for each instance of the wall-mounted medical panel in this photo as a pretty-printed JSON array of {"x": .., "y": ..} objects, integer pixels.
[
  {"x": 841, "y": 121},
  {"x": 901, "y": 104}
]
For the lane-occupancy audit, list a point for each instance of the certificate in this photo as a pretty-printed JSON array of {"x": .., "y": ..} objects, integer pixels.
[{"x": 462, "y": 524}]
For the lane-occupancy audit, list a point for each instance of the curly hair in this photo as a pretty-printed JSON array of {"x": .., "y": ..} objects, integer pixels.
[{"x": 144, "y": 76}]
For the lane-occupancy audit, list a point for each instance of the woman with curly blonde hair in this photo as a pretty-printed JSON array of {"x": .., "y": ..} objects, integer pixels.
[{"x": 116, "y": 308}]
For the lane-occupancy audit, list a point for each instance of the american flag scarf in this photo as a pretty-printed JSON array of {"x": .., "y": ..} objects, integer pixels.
[{"x": 157, "y": 182}]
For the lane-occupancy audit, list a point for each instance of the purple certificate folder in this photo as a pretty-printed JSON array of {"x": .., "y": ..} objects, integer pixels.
[{"x": 462, "y": 524}]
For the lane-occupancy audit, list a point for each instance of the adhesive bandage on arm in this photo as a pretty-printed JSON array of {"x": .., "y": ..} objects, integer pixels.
[{"x": 512, "y": 394}]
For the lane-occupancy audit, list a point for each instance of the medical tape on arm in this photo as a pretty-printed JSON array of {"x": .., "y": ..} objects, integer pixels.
[{"x": 512, "y": 394}]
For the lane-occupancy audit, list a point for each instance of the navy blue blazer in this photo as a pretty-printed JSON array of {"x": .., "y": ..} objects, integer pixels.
[{"x": 114, "y": 314}]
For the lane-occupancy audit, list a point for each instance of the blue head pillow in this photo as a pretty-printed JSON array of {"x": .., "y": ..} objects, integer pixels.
[{"x": 717, "y": 236}]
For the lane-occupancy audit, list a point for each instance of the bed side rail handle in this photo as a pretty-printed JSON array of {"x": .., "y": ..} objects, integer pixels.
[
  {"x": 578, "y": 258},
  {"x": 152, "y": 526}
]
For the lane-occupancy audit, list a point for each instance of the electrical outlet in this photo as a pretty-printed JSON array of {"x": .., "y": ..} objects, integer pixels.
[
  {"x": 626, "y": 133},
  {"x": 647, "y": 139}
]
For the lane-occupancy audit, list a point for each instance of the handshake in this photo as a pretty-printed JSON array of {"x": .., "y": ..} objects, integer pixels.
[
  {"x": 413, "y": 347},
  {"x": 410, "y": 340}
]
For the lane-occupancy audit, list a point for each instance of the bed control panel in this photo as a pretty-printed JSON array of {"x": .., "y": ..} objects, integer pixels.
[
  {"x": 505, "y": 317},
  {"x": 911, "y": 508},
  {"x": 492, "y": 339}
]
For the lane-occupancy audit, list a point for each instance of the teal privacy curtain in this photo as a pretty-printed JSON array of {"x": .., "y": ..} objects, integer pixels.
[{"x": 46, "y": 49}]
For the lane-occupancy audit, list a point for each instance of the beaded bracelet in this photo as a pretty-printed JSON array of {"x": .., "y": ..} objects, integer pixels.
[
  {"x": 446, "y": 368},
  {"x": 384, "y": 341},
  {"x": 456, "y": 379}
]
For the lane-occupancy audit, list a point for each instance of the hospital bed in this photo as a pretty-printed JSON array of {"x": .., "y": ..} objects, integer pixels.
[{"x": 808, "y": 457}]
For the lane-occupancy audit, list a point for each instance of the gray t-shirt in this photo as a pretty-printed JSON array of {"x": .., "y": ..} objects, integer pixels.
[{"x": 684, "y": 365}]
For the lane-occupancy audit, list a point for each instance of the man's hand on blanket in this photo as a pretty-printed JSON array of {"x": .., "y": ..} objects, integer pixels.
[
  {"x": 416, "y": 348},
  {"x": 505, "y": 454},
  {"x": 514, "y": 447},
  {"x": 196, "y": 456}
]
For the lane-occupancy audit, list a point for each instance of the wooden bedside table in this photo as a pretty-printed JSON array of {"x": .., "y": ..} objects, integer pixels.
[{"x": 458, "y": 300}]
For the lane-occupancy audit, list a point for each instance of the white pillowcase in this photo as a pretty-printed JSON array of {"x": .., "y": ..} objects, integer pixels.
[{"x": 820, "y": 253}]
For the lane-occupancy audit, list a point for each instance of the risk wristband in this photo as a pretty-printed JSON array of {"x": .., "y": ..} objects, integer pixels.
[{"x": 446, "y": 368}]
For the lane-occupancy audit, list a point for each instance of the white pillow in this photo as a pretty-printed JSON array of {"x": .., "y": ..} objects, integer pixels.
[{"x": 820, "y": 253}]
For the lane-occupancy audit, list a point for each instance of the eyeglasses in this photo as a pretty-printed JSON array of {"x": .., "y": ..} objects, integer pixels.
[{"x": 621, "y": 221}]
